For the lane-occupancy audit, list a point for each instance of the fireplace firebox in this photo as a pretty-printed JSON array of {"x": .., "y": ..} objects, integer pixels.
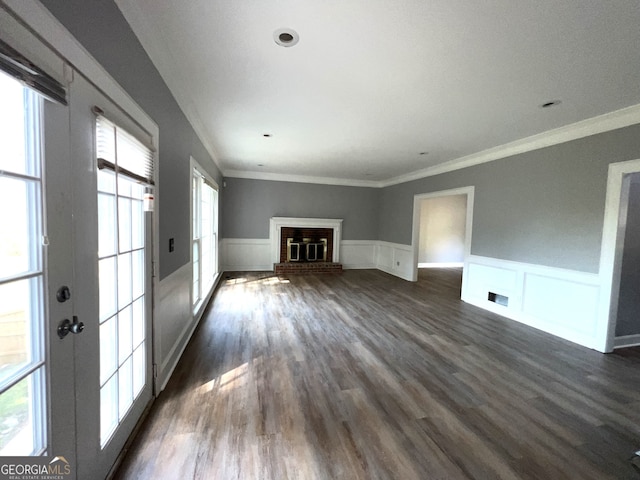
[
  {"x": 306, "y": 244},
  {"x": 306, "y": 250}
]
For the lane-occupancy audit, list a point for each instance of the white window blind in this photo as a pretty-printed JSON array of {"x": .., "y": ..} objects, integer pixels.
[{"x": 121, "y": 152}]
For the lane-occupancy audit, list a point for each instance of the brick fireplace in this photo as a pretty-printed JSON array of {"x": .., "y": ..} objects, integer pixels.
[
  {"x": 303, "y": 238},
  {"x": 305, "y": 245}
]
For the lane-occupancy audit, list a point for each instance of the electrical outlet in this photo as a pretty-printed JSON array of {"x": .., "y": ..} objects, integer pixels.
[{"x": 397, "y": 264}]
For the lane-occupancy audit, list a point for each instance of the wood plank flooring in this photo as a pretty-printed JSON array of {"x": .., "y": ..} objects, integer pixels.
[{"x": 366, "y": 376}]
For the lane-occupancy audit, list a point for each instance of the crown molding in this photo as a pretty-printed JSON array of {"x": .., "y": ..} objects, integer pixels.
[
  {"x": 277, "y": 177},
  {"x": 585, "y": 128}
]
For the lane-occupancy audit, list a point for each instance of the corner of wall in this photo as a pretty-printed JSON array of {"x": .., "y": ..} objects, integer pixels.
[{"x": 395, "y": 259}]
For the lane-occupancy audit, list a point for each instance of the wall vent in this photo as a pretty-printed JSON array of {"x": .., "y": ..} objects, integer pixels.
[{"x": 499, "y": 299}]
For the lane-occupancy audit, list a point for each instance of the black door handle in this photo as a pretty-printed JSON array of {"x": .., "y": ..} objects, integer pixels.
[{"x": 67, "y": 326}]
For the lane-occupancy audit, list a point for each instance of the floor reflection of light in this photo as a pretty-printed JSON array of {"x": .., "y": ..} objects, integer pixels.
[
  {"x": 260, "y": 281},
  {"x": 227, "y": 381},
  {"x": 274, "y": 281}
]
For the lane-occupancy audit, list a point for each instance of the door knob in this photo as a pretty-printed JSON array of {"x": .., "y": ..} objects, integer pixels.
[
  {"x": 76, "y": 326},
  {"x": 67, "y": 326}
]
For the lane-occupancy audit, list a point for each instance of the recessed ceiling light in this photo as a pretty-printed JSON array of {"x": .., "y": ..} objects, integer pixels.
[
  {"x": 286, "y": 37},
  {"x": 551, "y": 103},
  {"x": 423, "y": 153},
  {"x": 261, "y": 164},
  {"x": 267, "y": 135}
]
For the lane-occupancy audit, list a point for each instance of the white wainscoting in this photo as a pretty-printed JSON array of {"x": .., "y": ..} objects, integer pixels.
[
  {"x": 395, "y": 259},
  {"x": 253, "y": 254},
  {"x": 561, "y": 302},
  {"x": 245, "y": 255},
  {"x": 173, "y": 321}
]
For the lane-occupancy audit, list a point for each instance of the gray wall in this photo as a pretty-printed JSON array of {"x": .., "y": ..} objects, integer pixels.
[
  {"x": 104, "y": 32},
  {"x": 628, "y": 321},
  {"x": 249, "y": 204},
  {"x": 543, "y": 207},
  {"x": 442, "y": 229}
]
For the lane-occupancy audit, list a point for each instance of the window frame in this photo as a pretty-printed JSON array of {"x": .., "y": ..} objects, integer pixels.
[{"x": 198, "y": 178}]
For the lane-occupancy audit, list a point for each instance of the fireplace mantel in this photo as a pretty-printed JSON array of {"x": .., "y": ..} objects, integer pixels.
[{"x": 295, "y": 222}]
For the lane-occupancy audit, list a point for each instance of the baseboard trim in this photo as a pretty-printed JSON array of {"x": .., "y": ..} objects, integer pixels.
[{"x": 626, "y": 341}]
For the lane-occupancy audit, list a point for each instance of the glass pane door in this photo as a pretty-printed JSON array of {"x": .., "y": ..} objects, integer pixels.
[
  {"x": 22, "y": 360},
  {"x": 121, "y": 257},
  {"x": 106, "y": 368}
]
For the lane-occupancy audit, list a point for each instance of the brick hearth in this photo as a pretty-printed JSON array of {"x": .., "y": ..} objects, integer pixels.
[{"x": 307, "y": 267}]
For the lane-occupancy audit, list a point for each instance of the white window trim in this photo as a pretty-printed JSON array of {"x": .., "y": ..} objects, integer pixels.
[{"x": 198, "y": 309}]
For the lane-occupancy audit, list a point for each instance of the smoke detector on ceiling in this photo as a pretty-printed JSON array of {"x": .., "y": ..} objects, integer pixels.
[{"x": 286, "y": 37}]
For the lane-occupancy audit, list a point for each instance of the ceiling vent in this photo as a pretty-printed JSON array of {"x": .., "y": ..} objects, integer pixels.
[{"x": 286, "y": 37}]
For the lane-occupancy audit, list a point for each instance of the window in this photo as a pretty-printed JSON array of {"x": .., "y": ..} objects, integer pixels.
[
  {"x": 204, "y": 227},
  {"x": 22, "y": 364},
  {"x": 125, "y": 172}
]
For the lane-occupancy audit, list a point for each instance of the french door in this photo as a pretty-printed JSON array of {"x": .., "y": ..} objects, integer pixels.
[
  {"x": 75, "y": 283},
  {"x": 111, "y": 238}
]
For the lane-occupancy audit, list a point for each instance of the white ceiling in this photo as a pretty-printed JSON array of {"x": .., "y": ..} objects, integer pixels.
[{"x": 373, "y": 83}]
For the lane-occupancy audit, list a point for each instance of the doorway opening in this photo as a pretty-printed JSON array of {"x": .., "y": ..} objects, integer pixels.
[
  {"x": 442, "y": 231},
  {"x": 620, "y": 238},
  {"x": 627, "y": 331},
  {"x": 442, "y": 224}
]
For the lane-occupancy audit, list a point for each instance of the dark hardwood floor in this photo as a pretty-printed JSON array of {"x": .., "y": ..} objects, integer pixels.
[{"x": 366, "y": 376}]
